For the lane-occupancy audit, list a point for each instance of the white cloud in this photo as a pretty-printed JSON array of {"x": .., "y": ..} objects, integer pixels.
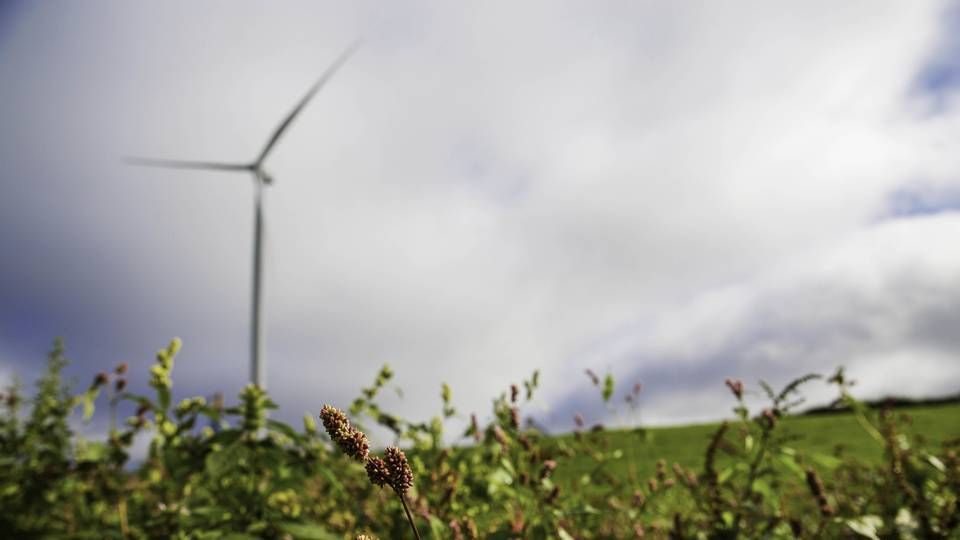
[{"x": 882, "y": 302}]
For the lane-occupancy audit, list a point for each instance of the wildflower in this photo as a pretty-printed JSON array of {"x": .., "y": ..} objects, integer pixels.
[
  {"x": 735, "y": 386},
  {"x": 121, "y": 368},
  {"x": 578, "y": 420},
  {"x": 100, "y": 380},
  {"x": 500, "y": 436},
  {"x": 515, "y": 418},
  {"x": 401, "y": 477},
  {"x": 475, "y": 427},
  {"x": 771, "y": 417},
  {"x": 524, "y": 442},
  {"x": 455, "y": 527},
  {"x": 377, "y": 471},
  {"x": 350, "y": 440},
  {"x": 548, "y": 467},
  {"x": 120, "y": 385},
  {"x": 819, "y": 493},
  {"x": 514, "y": 392},
  {"x": 661, "y": 469}
]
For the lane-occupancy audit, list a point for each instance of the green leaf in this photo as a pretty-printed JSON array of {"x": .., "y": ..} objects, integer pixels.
[
  {"x": 89, "y": 397},
  {"x": 608, "y": 387},
  {"x": 92, "y": 451},
  {"x": 563, "y": 535},
  {"x": 866, "y": 526},
  {"x": 308, "y": 531},
  {"x": 280, "y": 427}
]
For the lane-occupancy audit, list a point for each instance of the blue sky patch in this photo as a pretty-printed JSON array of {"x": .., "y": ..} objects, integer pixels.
[{"x": 910, "y": 201}]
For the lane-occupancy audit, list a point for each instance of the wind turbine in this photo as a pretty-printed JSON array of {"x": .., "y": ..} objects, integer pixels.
[{"x": 261, "y": 179}]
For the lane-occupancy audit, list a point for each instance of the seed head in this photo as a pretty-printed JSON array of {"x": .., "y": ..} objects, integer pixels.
[
  {"x": 101, "y": 379},
  {"x": 475, "y": 427},
  {"x": 653, "y": 485},
  {"x": 377, "y": 471},
  {"x": 500, "y": 436},
  {"x": 818, "y": 492},
  {"x": 401, "y": 477},
  {"x": 548, "y": 467},
  {"x": 553, "y": 495},
  {"x": 770, "y": 416},
  {"x": 350, "y": 440},
  {"x": 735, "y": 386},
  {"x": 515, "y": 418}
]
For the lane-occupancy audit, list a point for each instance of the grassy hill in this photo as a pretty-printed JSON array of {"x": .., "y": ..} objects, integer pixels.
[{"x": 836, "y": 434}]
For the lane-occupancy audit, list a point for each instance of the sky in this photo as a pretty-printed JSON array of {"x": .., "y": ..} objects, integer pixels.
[{"x": 673, "y": 193}]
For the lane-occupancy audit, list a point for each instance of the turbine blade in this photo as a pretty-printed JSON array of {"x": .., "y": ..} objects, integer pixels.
[
  {"x": 176, "y": 164},
  {"x": 327, "y": 75}
]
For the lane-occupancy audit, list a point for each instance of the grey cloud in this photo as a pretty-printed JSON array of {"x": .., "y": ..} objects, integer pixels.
[{"x": 883, "y": 303}]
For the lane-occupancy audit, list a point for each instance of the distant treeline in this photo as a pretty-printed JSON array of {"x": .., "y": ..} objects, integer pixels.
[{"x": 891, "y": 402}]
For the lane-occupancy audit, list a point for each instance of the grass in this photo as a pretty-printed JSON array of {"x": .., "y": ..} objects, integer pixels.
[{"x": 830, "y": 434}]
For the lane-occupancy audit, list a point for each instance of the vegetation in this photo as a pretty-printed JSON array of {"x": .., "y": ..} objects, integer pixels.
[{"x": 217, "y": 471}]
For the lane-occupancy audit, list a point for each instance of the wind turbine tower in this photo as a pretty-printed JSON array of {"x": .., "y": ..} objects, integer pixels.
[{"x": 258, "y": 370}]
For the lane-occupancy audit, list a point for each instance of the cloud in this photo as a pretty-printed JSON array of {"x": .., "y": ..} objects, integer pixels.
[
  {"x": 883, "y": 302},
  {"x": 482, "y": 191}
]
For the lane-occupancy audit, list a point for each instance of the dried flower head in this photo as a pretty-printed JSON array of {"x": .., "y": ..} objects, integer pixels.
[
  {"x": 771, "y": 416},
  {"x": 691, "y": 478},
  {"x": 735, "y": 386},
  {"x": 455, "y": 528},
  {"x": 121, "y": 368},
  {"x": 661, "y": 469},
  {"x": 553, "y": 495},
  {"x": 653, "y": 485},
  {"x": 350, "y": 440},
  {"x": 377, "y": 471},
  {"x": 818, "y": 492},
  {"x": 101, "y": 379},
  {"x": 475, "y": 427},
  {"x": 401, "y": 477},
  {"x": 524, "y": 442},
  {"x": 500, "y": 436},
  {"x": 120, "y": 385},
  {"x": 548, "y": 467}
]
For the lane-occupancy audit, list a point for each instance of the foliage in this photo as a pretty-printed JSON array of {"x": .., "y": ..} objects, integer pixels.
[{"x": 214, "y": 471}]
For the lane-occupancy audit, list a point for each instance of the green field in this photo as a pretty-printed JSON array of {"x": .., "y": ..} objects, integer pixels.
[{"x": 830, "y": 434}]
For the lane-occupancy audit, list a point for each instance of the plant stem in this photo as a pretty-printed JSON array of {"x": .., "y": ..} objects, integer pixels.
[{"x": 403, "y": 500}]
